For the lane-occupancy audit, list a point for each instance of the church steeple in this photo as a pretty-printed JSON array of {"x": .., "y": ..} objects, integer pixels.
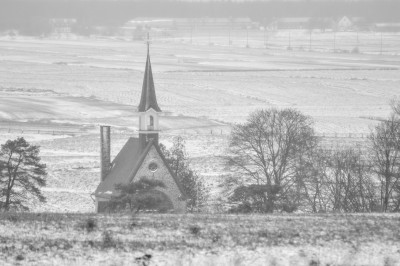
[
  {"x": 148, "y": 99},
  {"x": 148, "y": 107}
]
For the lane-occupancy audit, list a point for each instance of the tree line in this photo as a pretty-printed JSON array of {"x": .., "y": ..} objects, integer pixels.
[
  {"x": 277, "y": 163},
  {"x": 280, "y": 165}
]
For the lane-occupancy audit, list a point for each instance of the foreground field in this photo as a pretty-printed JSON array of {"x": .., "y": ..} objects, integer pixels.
[{"x": 154, "y": 239}]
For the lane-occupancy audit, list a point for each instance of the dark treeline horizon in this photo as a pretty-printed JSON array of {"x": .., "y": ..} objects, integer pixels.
[{"x": 16, "y": 13}]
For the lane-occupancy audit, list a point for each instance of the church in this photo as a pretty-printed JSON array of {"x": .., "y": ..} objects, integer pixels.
[{"x": 140, "y": 157}]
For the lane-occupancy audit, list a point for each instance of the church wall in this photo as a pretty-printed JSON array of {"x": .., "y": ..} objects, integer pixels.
[{"x": 162, "y": 174}]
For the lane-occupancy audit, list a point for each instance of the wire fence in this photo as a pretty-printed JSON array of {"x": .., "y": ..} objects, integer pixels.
[
  {"x": 372, "y": 42},
  {"x": 40, "y": 131},
  {"x": 201, "y": 132}
]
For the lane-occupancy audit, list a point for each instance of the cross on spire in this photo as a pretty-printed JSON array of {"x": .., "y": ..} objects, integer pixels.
[{"x": 148, "y": 43}]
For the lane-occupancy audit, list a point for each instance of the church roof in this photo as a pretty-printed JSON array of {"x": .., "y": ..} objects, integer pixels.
[
  {"x": 148, "y": 99},
  {"x": 122, "y": 167},
  {"x": 125, "y": 166}
]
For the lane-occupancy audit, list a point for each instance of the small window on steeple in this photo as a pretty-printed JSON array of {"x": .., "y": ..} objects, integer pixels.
[{"x": 151, "y": 121}]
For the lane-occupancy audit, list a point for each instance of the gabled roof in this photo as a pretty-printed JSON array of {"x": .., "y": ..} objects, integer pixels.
[
  {"x": 122, "y": 166},
  {"x": 148, "y": 99},
  {"x": 125, "y": 166}
]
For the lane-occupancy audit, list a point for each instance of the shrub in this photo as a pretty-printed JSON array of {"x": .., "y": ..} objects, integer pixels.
[
  {"x": 355, "y": 50},
  {"x": 195, "y": 229},
  {"x": 108, "y": 240},
  {"x": 90, "y": 225}
]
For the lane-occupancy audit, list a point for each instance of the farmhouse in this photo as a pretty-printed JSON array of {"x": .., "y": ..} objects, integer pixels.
[
  {"x": 344, "y": 24},
  {"x": 140, "y": 157},
  {"x": 62, "y": 25}
]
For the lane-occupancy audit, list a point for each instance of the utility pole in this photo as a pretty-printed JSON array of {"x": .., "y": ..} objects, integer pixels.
[
  {"x": 247, "y": 37},
  {"x": 290, "y": 41},
  {"x": 265, "y": 38},
  {"x": 229, "y": 36},
  {"x": 191, "y": 34},
  {"x": 334, "y": 41},
  {"x": 358, "y": 41}
]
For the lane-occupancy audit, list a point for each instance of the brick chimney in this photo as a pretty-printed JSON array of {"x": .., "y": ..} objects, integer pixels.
[{"x": 105, "y": 147}]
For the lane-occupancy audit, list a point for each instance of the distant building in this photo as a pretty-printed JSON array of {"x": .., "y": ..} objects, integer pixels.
[
  {"x": 292, "y": 23},
  {"x": 62, "y": 25},
  {"x": 353, "y": 24},
  {"x": 387, "y": 27},
  {"x": 344, "y": 24},
  {"x": 167, "y": 25},
  {"x": 140, "y": 157}
]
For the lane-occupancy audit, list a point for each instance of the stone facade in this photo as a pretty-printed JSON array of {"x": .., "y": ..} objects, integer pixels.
[{"x": 162, "y": 174}]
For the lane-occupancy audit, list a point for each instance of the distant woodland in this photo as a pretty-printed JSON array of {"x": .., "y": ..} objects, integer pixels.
[{"x": 30, "y": 15}]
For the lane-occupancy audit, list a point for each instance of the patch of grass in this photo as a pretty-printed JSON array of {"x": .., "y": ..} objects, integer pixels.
[
  {"x": 143, "y": 260},
  {"x": 13, "y": 218},
  {"x": 89, "y": 225},
  {"x": 263, "y": 234},
  {"x": 215, "y": 237},
  {"x": 108, "y": 240},
  {"x": 314, "y": 262},
  {"x": 195, "y": 230}
]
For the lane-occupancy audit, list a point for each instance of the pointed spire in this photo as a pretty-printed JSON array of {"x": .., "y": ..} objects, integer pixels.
[
  {"x": 148, "y": 44},
  {"x": 148, "y": 99}
]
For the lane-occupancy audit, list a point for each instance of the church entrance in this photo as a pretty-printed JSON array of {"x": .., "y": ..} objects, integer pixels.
[{"x": 162, "y": 202}]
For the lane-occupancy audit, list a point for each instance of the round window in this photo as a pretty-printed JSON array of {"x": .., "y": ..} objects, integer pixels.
[{"x": 153, "y": 167}]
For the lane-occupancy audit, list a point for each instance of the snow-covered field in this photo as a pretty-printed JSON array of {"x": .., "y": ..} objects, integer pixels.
[
  {"x": 221, "y": 83},
  {"x": 198, "y": 239},
  {"x": 56, "y": 92}
]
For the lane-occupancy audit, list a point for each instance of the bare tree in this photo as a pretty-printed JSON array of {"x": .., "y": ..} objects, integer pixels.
[
  {"x": 385, "y": 153},
  {"x": 266, "y": 151},
  {"x": 312, "y": 174},
  {"x": 349, "y": 182},
  {"x": 22, "y": 174},
  {"x": 338, "y": 180},
  {"x": 396, "y": 108}
]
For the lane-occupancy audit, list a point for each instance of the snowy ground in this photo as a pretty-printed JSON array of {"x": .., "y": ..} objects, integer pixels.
[
  {"x": 73, "y": 239},
  {"x": 55, "y": 93},
  {"x": 341, "y": 91}
]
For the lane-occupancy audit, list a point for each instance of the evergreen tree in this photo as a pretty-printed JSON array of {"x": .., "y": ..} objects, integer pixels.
[
  {"x": 179, "y": 163},
  {"x": 21, "y": 174}
]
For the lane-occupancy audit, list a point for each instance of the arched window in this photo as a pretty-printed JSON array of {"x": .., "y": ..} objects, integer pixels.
[{"x": 151, "y": 121}]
